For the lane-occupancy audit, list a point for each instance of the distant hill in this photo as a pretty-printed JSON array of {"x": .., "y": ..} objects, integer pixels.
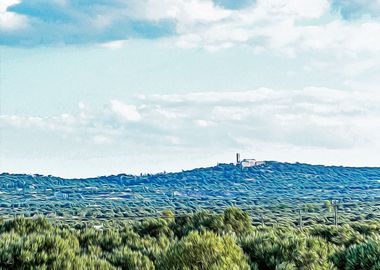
[{"x": 274, "y": 191}]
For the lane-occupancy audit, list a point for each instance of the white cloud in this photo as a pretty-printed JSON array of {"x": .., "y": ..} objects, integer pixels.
[
  {"x": 203, "y": 123},
  {"x": 313, "y": 117},
  {"x": 10, "y": 21},
  {"x": 183, "y": 11},
  {"x": 286, "y": 26},
  {"x": 4, "y": 4},
  {"x": 116, "y": 44},
  {"x": 101, "y": 140},
  {"x": 98, "y": 126},
  {"x": 209, "y": 97},
  {"x": 313, "y": 124},
  {"x": 297, "y": 8},
  {"x": 127, "y": 112}
]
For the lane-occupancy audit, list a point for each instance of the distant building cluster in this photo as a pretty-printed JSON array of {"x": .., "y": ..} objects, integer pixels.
[{"x": 245, "y": 163}]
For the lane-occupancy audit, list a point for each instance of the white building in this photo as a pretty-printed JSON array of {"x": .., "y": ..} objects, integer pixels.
[
  {"x": 248, "y": 163},
  {"x": 245, "y": 163}
]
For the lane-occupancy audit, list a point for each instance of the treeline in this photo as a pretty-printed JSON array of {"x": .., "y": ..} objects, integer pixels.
[
  {"x": 275, "y": 191},
  {"x": 199, "y": 241}
]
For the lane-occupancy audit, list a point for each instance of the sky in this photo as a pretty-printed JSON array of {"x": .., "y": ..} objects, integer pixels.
[{"x": 98, "y": 87}]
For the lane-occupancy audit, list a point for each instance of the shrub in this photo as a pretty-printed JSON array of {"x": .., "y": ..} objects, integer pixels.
[
  {"x": 127, "y": 259},
  {"x": 201, "y": 251},
  {"x": 287, "y": 251},
  {"x": 200, "y": 221},
  {"x": 364, "y": 256},
  {"x": 237, "y": 220},
  {"x": 342, "y": 235}
]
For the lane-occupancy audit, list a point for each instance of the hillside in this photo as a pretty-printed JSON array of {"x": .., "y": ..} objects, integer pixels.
[{"x": 273, "y": 192}]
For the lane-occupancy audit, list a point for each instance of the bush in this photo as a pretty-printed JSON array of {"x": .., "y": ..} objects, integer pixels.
[
  {"x": 365, "y": 256},
  {"x": 237, "y": 220},
  {"x": 22, "y": 225},
  {"x": 127, "y": 259},
  {"x": 200, "y": 221},
  {"x": 342, "y": 235},
  {"x": 45, "y": 251},
  {"x": 195, "y": 242},
  {"x": 201, "y": 251},
  {"x": 292, "y": 250},
  {"x": 107, "y": 240},
  {"x": 154, "y": 228}
]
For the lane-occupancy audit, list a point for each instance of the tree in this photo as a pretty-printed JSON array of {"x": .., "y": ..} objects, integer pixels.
[
  {"x": 127, "y": 259},
  {"x": 364, "y": 256},
  {"x": 237, "y": 221},
  {"x": 201, "y": 251},
  {"x": 271, "y": 250},
  {"x": 342, "y": 235}
]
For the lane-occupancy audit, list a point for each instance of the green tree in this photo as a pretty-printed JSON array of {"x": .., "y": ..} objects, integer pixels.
[
  {"x": 127, "y": 259},
  {"x": 364, "y": 256},
  {"x": 342, "y": 235},
  {"x": 203, "y": 251},
  {"x": 237, "y": 220},
  {"x": 272, "y": 251}
]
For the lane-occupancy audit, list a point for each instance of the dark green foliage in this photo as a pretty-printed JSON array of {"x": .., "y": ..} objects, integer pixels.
[
  {"x": 154, "y": 227},
  {"x": 127, "y": 259},
  {"x": 44, "y": 251},
  {"x": 291, "y": 250},
  {"x": 367, "y": 229},
  {"x": 274, "y": 191},
  {"x": 237, "y": 221},
  {"x": 26, "y": 226},
  {"x": 202, "y": 251},
  {"x": 200, "y": 221},
  {"x": 200, "y": 241},
  {"x": 342, "y": 235},
  {"x": 106, "y": 240},
  {"x": 233, "y": 220},
  {"x": 364, "y": 256}
]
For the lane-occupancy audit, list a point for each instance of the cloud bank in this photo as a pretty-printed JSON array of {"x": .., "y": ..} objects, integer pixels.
[
  {"x": 333, "y": 43},
  {"x": 283, "y": 25},
  {"x": 312, "y": 117}
]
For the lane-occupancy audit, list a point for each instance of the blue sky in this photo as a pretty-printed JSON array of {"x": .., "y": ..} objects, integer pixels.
[{"x": 102, "y": 87}]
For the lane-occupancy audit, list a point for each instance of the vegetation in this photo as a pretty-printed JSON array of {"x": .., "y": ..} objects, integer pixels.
[
  {"x": 200, "y": 241},
  {"x": 204, "y": 250},
  {"x": 272, "y": 193},
  {"x": 282, "y": 218}
]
